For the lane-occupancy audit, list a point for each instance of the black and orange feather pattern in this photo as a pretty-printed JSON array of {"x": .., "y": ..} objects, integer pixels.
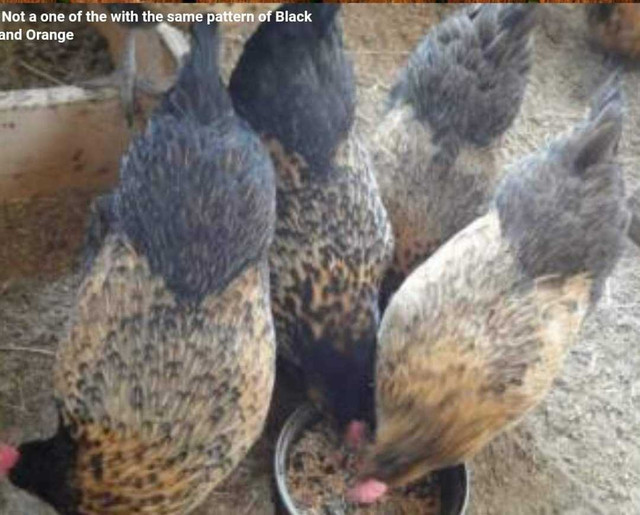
[
  {"x": 164, "y": 382},
  {"x": 475, "y": 336},
  {"x": 295, "y": 84}
]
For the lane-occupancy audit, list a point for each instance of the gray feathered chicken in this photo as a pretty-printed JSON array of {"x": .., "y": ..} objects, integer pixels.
[
  {"x": 435, "y": 148},
  {"x": 475, "y": 336},
  {"x": 165, "y": 379}
]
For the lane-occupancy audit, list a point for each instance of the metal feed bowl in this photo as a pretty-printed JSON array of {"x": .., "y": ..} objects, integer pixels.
[{"x": 454, "y": 481}]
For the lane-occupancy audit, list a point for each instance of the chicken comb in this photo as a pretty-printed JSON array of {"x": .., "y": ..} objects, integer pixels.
[{"x": 9, "y": 456}]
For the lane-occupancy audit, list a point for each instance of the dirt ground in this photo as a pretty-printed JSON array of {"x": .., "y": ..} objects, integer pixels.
[
  {"x": 578, "y": 453},
  {"x": 41, "y": 64}
]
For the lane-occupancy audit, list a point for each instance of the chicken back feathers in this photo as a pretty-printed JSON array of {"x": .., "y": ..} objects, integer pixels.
[
  {"x": 469, "y": 75},
  {"x": 165, "y": 380},
  {"x": 198, "y": 176},
  {"x": 475, "y": 336},
  {"x": 561, "y": 211},
  {"x": 295, "y": 84},
  {"x": 461, "y": 89}
]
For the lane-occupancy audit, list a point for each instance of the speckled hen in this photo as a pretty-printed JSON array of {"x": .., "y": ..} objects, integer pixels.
[
  {"x": 435, "y": 148},
  {"x": 164, "y": 381},
  {"x": 475, "y": 336},
  {"x": 333, "y": 241}
]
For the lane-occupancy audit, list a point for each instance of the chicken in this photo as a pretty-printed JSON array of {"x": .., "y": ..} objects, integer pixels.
[
  {"x": 435, "y": 148},
  {"x": 165, "y": 379},
  {"x": 475, "y": 336},
  {"x": 616, "y": 27},
  {"x": 333, "y": 241}
]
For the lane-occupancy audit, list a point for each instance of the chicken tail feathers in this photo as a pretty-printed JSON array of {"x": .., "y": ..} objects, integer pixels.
[
  {"x": 199, "y": 92},
  {"x": 564, "y": 211},
  {"x": 468, "y": 76},
  {"x": 295, "y": 82}
]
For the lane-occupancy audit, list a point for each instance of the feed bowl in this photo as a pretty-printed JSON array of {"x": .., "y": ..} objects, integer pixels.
[{"x": 454, "y": 481}]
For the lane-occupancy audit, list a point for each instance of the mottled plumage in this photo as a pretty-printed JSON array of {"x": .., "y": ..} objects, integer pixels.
[
  {"x": 475, "y": 336},
  {"x": 616, "y": 27},
  {"x": 165, "y": 380},
  {"x": 333, "y": 241},
  {"x": 435, "y": 147}
]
